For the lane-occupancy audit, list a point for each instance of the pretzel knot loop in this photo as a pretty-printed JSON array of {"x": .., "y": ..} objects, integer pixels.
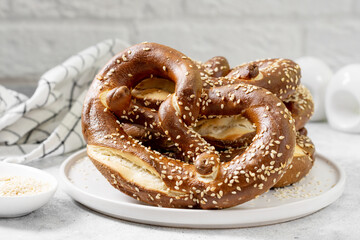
[{"x": 203, "y": 181}]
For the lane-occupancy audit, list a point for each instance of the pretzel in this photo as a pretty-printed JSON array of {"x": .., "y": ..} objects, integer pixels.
[{"x": 157, "y": 179}]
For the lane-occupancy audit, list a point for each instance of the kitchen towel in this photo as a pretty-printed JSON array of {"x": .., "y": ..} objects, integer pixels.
[{"x": 49, "y": 122}]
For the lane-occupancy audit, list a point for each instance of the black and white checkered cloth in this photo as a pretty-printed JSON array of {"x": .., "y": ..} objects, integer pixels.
[{"x": 48, "y": 123}]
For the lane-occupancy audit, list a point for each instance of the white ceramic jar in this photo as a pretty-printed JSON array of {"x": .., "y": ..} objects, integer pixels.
[
  {"x": 343, "y": 99},
  {"x": 316, "y": 75}
]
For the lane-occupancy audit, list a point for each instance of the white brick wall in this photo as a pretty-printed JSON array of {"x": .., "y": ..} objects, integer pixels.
[
  {"x": 38, "y": 34},
  {"x": 237, "y": 41}
]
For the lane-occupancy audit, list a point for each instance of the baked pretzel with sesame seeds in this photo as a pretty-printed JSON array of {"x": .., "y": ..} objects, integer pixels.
[{"x": 154, "y": 178}]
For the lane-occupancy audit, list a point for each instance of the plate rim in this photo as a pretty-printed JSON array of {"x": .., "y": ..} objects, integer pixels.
[{"x": 69, "y": 187}]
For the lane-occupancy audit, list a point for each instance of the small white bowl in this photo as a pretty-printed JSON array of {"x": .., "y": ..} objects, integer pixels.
[{"x": 16, "y": 206}]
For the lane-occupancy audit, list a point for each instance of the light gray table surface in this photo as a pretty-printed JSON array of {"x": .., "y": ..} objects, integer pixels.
[{"x": 63, "y": 218}]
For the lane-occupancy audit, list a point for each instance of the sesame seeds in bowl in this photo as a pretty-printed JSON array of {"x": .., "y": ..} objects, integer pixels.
[
  {"x": 23, "y": 189},
  {"x": 17, "y": 186}
]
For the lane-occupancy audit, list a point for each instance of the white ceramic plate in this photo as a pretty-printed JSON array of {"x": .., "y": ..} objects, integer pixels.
[{"x": 322, "y": 186}]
